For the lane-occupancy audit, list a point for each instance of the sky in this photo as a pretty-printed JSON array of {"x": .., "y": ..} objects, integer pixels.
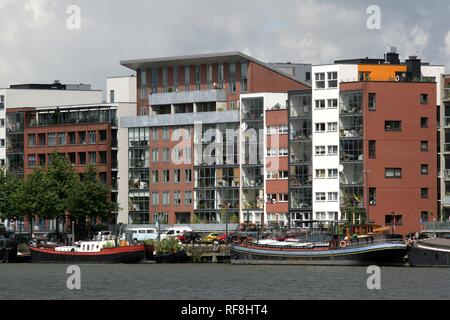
[{"x": 46, "y": 40}]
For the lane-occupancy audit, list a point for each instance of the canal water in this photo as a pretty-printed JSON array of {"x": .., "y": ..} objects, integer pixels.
[{"x": 220, "y": 281}]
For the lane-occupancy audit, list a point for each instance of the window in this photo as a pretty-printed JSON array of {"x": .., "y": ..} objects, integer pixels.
[
  {"x": 320, "y": 127},
  {"x": 188, "y": 175},
  {"x": 92, "y": 137},
  {"x": 283, "y": 197},
  {"x": 154, "y": 80},
  {"x": 372, "y": 101},
  {"x": 283, "y": 152},
  {"x": 111, "y": 96},
  {"x": 103, "y": 157},
  {"x": 392, "y": 125},
  {"x": 320, "y": 174},
  {"x": 188, "y": 197},
  {"x": 2, "y": 123},
  {"x": 392, "y": 173},
  {"x": 52, "y": 139},
  {"x": 103, "y": 135},
  {"x": 424, "y": 216},
  {"x": 31, "y": 140},
  {"x": 282, "y": 175},
  {"x": 221, "y": 76},
  {"x": 177, "y": 176},
  {"x": 320, "y": 196},
  {"x": 332, "y": 150},
  {"x": 41, "y": 137},
  {"x": 2, "y": 143},
  {"x": 424, "y": 169},
  {"x": 283, "y": 129},
  {"x": 232, "y": 77},
  {"x": 209, "y": 81},
  {"x": 155, "y": 155},
  {"x": 424, "y": 123},
  {"x": 93, "y": 158},
  {"x": 41, "y": 158},
  {"x": 165, "y": 154},
  {"x": 308, "y": 76},
  {"x": 320, "y": 150},
  {"x": 62, "y": 138},
  {"x": 332, "y": 173},
  {"x": 31, "y": 160},
  {"x": 2, "y": 102},
  {"x": 272, "y": 152},
  {"x": 332, "y": 196},
  {"x": 72, "y": 138},
  {"x": 72, "y": 157},
  {"x": 271, "y": 175},
  {"x": 155, "y": 134},
  {"x": 332, "y": 80},
  {"x": 424, "y": 193},
  {"x": 155, "y": 176},
  {"x": 165, "y": 198},
  {"x": 424, "y": 98},
  {"x": 165, "y": 133},
  {"x": 271, "y": 197},
  {"x": 166, "y": 177},
  {"x": 372, "y": 196},
  {"x": 372, "y": 149},
  {"x": 332, "y": 103},
  {"x": 82, "y": 158},
  {"x": 332, "y": 126},
  {"x": 177, "y": 198},
  {"x": 82, "y": 137},
  {"x": 244, "y": 77},
  {"x": 187, "y": 77},
  {"x": 320, "y": 80},
  {"x": 424, "y": 146},
  {"x": 394, "y": 219},
  {"x": 320, "y": 104},
  {"x": 271, "y": 130},
  {"x": 175, "y": 78},
  {"x": 165, "y": 79},
  {"x": 155, "y": 198},
  {"x": 197, "y": 77}
]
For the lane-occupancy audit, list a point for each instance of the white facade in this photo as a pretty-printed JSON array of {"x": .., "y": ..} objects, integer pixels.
[
  {"x": 325, "y": 127},
  {"x": 34, "y": 98},
  {"x": 124, "y": 96}
]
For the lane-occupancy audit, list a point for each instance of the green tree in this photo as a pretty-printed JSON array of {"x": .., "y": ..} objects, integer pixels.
[
  {"x": 9, "y": 184},
  {"x": 89, "y": 198}
]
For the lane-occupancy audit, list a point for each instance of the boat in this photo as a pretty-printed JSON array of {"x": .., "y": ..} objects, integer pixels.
[
  {"x": 176, "y": 257},
  {"x": 380, "y": 252},
  {"x": 99, "y": 251},
  {"x": 433, "y": 252}
]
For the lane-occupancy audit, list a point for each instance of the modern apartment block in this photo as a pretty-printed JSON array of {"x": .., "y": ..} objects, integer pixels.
[
  {"x": 185, "y": 149},
  {"x": 35, "y": 96},
  {"x": 374, "y": 141},
  {"x": 85, "y": 134},
  {"x": 444, "y": 147}
]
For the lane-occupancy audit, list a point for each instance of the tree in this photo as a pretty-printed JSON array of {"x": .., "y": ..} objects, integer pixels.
[
  {"x": 90, "y": 199},
  {"x": 9, "y": 183}
]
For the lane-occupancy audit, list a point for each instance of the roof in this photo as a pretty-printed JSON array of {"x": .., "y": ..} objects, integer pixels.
[{"x": 208, "y": 58}]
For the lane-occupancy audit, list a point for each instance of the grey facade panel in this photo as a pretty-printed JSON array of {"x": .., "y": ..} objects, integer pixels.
[
  {"x": 180, "y": 119},
  {"x": 187, "y": 97}
]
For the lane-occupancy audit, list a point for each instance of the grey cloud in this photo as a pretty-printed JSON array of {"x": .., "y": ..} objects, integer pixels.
[{"x": 36, "y": 46}]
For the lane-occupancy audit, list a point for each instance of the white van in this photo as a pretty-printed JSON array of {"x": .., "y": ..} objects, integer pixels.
[
  {"x": 142, "y": 234},
  {"x": 174, "y": 231}
]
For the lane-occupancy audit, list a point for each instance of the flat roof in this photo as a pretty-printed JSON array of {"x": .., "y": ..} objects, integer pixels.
[{"x": 207, "y": 58}]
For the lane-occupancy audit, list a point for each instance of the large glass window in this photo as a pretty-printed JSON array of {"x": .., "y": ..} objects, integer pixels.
[
  {"x": 244, "y": 80},
  {"x": 332, "y": 80},
  {"x": 232, "y": 77},
  {"x": 197, "y": 77},
  {"x": 320, "y": 80},
  {"x": 154, "y": 80},
  {"x": 52, "y": 139},
  {"x": 187, "y": 77}
]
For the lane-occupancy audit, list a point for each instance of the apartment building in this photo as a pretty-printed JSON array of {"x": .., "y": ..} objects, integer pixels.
[
  {"x": 85, "y": 134},
  {"x": 185, "y": 148},
  {"x": 374, "y": 141},
  {"x": 444, "y": 147},
  {"x": 40, "y": 95}
]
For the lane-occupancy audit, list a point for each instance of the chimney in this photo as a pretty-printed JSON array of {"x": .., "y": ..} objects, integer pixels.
[
  {"x": 413, "y": 65},
  {"x": 391, "y": 56}
]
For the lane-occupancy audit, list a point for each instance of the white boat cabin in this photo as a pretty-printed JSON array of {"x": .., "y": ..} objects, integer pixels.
[{"x": 87, "y": 246}]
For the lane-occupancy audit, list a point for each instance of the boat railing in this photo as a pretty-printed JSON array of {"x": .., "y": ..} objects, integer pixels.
[{"x": 349, "y": 244}]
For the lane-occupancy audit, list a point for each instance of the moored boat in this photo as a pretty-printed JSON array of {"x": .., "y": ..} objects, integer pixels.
[
  {"x": 434, "y": 252},
  {"x": 88, "y": 252},
  {"x": 364, "y": 252}
]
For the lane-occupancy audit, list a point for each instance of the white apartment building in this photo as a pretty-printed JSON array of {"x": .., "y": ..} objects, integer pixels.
[{"x": 326, "y": 144}]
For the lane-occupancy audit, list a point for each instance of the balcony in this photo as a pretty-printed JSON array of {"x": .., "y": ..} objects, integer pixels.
[
  {"x": 447, "y": 175},
  {"x": 181, "y": 97},
  {"x": 446, "y": 200},
  {"x": 446, "y": 94}
]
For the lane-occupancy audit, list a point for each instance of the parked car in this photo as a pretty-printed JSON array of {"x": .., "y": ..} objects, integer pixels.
[
  {"x": 210, "y": 238},
  {"x": 142, "y": 234},
  {"x": 192, "y": 237},
  {"x": 174, "y": 231}
]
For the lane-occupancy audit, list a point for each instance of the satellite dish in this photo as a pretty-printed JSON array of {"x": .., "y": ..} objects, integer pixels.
[
  {"x": 341, "y": 168},
  {"x": 244, "y": 126}
]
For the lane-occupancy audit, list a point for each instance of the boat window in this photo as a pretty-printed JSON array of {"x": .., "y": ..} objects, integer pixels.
[
  {"x": 134, "y": 231},
  {"x": 170, "y": 232},
  {"x": 150, "y": 231},
  {"x": 141, "y": 231}
]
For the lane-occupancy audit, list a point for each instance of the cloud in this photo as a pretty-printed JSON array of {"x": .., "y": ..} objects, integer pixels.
[{"x": 36, "y": 46}]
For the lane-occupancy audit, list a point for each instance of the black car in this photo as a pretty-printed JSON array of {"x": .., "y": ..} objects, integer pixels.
[{"x": 192, "y": 237}]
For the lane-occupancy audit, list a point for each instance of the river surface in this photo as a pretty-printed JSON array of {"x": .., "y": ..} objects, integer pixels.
[{"x": 220, "y": 281}]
